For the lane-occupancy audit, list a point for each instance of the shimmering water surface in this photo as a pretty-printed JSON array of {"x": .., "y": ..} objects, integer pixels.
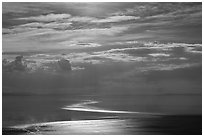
[{"x": 81, "y": 115}]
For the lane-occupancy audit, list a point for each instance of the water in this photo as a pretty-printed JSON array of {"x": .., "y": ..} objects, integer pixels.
[{"x": 80, "y": 115}]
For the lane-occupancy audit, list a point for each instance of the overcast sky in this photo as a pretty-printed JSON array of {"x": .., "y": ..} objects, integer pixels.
[{"x": 38, "y": 26}]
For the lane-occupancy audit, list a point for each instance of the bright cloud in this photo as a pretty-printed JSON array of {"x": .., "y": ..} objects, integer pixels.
[
  {"x": 159, "y": 55},
  {"x": 52, "y": 25},
  {"x": 47, "y": 18},
  {"x": 68, "y": 17},
  {"x": 82, "y": 19},
  {"x": 76, "y": 45},
  {"x": 116, "y": 19}
]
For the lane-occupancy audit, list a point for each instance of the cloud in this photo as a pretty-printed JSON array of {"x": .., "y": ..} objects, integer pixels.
[
  {"x": 169, "y": 22},
  {"x": 47, "y": 18},
  {"x": 159, "y": 55},
  {"x": 194, "y": 48},
  {"x": 82, "y": 19},
  {"x": 52, "y": 25},
  {"x": 68, "y": 18},
  {"x": 25, "y": 7},
  {"x": 169, "y": 46},
  {"x": 159, "y": 9},
  {"x": 110, "y": 19},
  {"x": 85, "y": 19},
  {"x": 162, "y": 67},
  {"x": 119, "y": 57},
  {"x": 6, "y": 31},
  {"x": 17, "y": 30},
  {"x": 102, "y": 31},
  {"x": 115, "y": 19},
  {"x": 27, "y": 38},
  {"x": 44, "y": 27},
  {"x": 170, "y": 53},
  {"x": 76, "y": 44},
  {"x": 152, "y": 24}
]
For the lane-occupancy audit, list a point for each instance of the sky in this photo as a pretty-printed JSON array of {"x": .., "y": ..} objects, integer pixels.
[
  {"x": 44, "y": 26},
  {"x": 112, "y": 50}
]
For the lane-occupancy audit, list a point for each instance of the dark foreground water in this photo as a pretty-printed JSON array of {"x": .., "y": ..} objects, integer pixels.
[
  {"x": 152, "y": 125},
  {"x": 84, "y": 115}
]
